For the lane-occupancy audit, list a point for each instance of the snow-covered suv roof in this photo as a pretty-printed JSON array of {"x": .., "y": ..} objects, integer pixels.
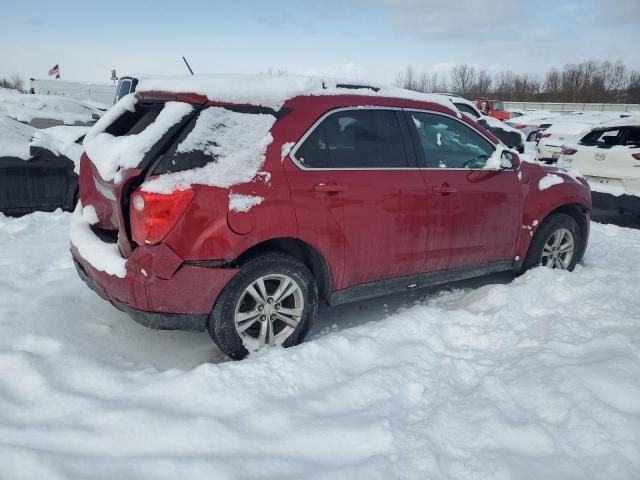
[{"x": 273, "y": 90}]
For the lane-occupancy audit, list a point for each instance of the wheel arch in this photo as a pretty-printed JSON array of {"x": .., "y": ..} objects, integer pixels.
[
  {"x": 577, "y": 212},
  {"x": 302, "y": 251}
]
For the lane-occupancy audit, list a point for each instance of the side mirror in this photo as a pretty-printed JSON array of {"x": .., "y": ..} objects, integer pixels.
[{"x": 509, "y": 160}]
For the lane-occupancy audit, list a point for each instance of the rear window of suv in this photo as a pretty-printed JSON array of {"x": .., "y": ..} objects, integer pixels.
[{"x": 132, "y": 133}]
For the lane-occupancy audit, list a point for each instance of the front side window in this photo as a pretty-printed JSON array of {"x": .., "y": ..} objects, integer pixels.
[
  {"x": 363, "y": 139},
  {"x": 498, "y": 106},
  {"x": 448, "y": 143}
]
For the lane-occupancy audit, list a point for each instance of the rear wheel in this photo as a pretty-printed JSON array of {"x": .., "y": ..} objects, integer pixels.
[
  {"x": 558, "y": 243},
  {"x": 272, "y": 301}
]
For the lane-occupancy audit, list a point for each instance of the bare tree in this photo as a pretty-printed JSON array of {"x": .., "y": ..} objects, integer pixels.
[
  {"x": 463, "y": 79},
  {"x": 590, "y": 81}
]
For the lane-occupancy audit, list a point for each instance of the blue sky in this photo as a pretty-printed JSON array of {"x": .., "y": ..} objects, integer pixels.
[{"x": 367, "y": 39}]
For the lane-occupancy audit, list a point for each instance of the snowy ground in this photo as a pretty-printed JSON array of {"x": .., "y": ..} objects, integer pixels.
[{"x": 498, "y": 378}]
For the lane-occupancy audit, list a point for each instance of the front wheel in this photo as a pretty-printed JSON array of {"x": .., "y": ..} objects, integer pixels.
[
  {"x": 272, "y": 301},
  {"x": 558, "y": 243}
]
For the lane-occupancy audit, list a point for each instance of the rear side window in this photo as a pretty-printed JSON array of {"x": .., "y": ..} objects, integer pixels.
[
  {"x": 603, "y": 138},
  {"x": 448, "y": 143},
  {"x": 361, "y": 139},
  {"x": 632, "y": 136},
  {"x": 233, "y": 140}
]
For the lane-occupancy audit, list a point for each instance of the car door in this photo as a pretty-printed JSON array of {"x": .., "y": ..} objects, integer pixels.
[
  {"x": 359, "y": 163},
  {"x": 474, "y": 213}
]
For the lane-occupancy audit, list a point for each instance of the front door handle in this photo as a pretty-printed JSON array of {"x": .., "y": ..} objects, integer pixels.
[
  {"x": 444, "y": 189},
  {"x": 330, "y": 188}
]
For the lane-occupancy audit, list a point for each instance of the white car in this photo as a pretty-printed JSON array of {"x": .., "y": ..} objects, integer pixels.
[
  {"x": 508, "y": 135},
  {"x": 531, "y": 122},
  {"x": 608, "y": 156},
  {"x": 569, "y": 129}
]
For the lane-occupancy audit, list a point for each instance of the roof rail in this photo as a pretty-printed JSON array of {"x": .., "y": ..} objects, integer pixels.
[{"x": 353, "y": 86}]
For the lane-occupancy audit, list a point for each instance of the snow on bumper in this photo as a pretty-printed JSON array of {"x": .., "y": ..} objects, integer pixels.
[
  {"x": 154, "y": 285},
  {"x": 102, "y": 256}
]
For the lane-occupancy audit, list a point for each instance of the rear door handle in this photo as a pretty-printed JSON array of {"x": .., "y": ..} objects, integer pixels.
[
  {"x": 444, "y": 189},
  {"x": 330, "y": 188}
]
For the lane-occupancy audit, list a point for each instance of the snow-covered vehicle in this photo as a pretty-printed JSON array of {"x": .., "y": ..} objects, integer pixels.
[
  {"x": 508, "y": 135},
  {"x": 240, "y": 207},
  {"x": 43, "y": 111},
  {"x": 37, "y": 169},
  {"x": 609, "y": 158},
  {"x": 532, "y": 122},
  {"x": 569, "y": 129}
]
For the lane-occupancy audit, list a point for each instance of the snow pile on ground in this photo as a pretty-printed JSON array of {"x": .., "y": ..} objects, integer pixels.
[
  {"x": 102, "y": 256},
  {"x": 236, "y": 143},
  {"x": 25, "y": 107},
  {"x": 273, "y": 90},
  {"x": 533, "y": 379},
  {"x": 549, "y": 180},
  {"x": 110, "y": 154}
]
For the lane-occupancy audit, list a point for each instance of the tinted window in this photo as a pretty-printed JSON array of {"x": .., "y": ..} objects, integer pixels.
[
  {"x": 313, "y": 153},
  {"x": 632, "y": 136},
  {"x": 602, "y": 138},
  {"x": 448, "y": 143},
  {"x": 132, "y": 123},
  {"x": 464, "y": 108},
  {"x": 365, "y": 139}
]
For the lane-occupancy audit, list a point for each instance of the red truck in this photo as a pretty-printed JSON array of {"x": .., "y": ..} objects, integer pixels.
[{"x": 493, "y": 108}]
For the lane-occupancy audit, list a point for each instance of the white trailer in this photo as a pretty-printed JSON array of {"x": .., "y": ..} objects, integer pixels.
[{"x": 103, "y": 93}]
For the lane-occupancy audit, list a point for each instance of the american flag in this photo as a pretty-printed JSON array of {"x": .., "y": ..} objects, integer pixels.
[{"x": 55, "y": 71}]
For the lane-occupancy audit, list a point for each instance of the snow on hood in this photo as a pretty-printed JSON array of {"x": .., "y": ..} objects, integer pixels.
[
  {"x": 25, "y": 107},
  {"x": 16, "y": 139},
  {"x": 273, "y": 90},
  {"x": 111, "y": 154},
  {"x": 495, "y": 123}
]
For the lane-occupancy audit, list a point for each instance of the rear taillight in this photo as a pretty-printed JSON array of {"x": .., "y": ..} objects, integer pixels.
[
  {"x": 153, "y": 215},
  {"x": 545, "y": 135},
  {"x": 568, "y": 151},
  {"x": 520, "y": 126},
  {"x": 636, "y": 156}
]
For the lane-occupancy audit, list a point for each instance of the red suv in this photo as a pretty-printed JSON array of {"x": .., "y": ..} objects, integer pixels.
[{"x": 239, "y": 213}]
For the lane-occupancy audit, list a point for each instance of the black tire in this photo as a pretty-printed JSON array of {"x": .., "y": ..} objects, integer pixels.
[
  {"x": 548, "y": 227},
  {"x": 531, "y": 137},
  {"x": 221, "y": 324}
]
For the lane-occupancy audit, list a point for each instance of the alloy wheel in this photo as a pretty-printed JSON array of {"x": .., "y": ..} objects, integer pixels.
[
  {"x": 558, "y": 250},
  {"x": 268, "y": 311}
]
